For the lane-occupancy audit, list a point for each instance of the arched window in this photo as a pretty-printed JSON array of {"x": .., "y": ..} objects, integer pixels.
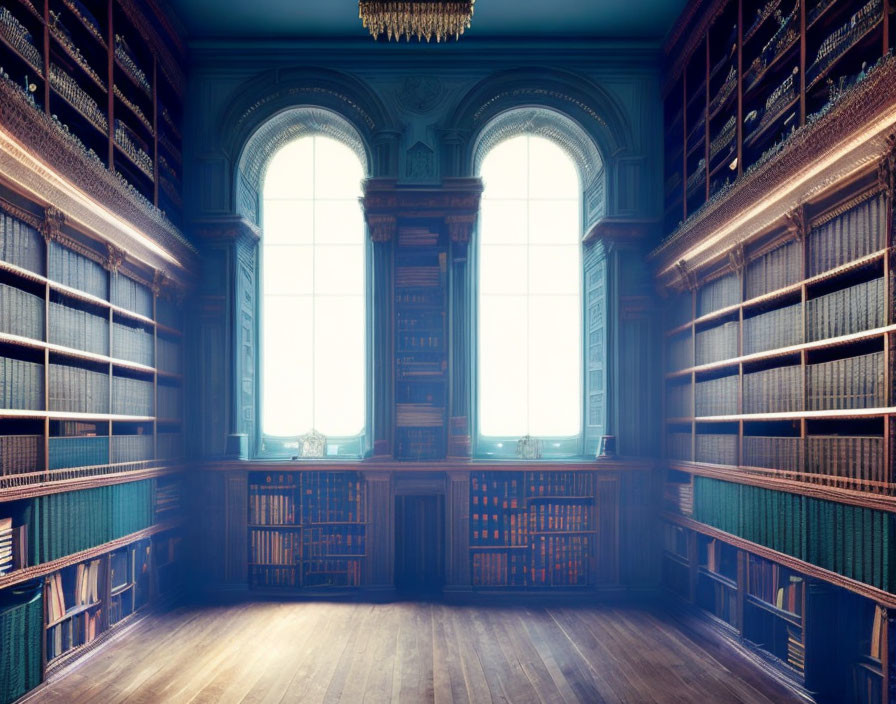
[
  {"x": 529, "y": 339},
  {"x": 313, "y": 293}
]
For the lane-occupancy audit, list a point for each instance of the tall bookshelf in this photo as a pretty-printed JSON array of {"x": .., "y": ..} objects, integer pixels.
[
  {"x": 749, "y": 75},
  {"x": 108, "y": 74},
  {"x": 829, "y": 642},
  {"x": 93, "y": 383},
  {"x": 421, "y": 341},
  {"x": 533, "y": 529},
  {"x": 307, "y": 530},
  {"x": 782, "y": 367}
]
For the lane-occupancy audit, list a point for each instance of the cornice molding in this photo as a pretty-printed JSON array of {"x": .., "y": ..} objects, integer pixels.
[
  {"x": 46, "y": 166},
  {"x": 229, "y": 228},
  {"x": 455, "y": 198},
  {"x": 847, "y": 141},
  {"x": 623, "y": 230}
]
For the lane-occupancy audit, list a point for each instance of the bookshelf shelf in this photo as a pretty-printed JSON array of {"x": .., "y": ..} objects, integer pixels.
[
  {"x": 72, "y": 612},
  {"x": 772, "y": 609}
]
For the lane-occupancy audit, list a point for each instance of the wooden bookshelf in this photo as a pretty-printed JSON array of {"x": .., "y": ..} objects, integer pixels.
[
  {"x": 108, "y": 78},
  {"x": 785, "y": 615}
]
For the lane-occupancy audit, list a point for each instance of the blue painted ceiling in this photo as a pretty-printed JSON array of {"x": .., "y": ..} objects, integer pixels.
[{"x": 283, "y": 19}]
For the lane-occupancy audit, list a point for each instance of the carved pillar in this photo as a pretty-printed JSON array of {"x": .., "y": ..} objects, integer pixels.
[
  {"x": 224, "y": 359},
  {"x": 457, "y": 511},
  {"x": 453, "y": 146},
  {"x": 385, "y": 147},
  {"x": 380, "y": 563},
  {"x": 460, "y": 230},
  {"x": 382, "y": 234}
]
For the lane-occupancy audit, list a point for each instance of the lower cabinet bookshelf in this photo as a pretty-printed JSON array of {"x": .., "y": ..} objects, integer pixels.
[
  {"x": 307, "y": 530},
  {"x": 829, "y": 642},
  {"x": 532, "y": 529}
]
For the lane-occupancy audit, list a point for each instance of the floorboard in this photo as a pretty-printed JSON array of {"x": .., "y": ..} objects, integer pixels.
[{"x": 272, "y": 652}]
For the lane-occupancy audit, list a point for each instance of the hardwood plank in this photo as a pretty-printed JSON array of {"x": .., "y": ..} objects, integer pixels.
[{"x": 271, "y": 652}]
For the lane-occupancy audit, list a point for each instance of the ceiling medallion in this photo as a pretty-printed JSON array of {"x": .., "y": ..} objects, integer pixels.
[{"x": 423, "y": 19}]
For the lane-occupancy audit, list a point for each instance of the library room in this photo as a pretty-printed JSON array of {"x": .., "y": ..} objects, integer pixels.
[{"x": 447, "y": 351}]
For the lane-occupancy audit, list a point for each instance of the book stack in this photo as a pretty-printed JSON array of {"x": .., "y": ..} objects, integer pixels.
[
  {"x": 847, "y": 311},
  {"x": 274, "y": 547},
  {"x": 78, "y": 327},
  {"x": 21, "y": 313},
  {"x": 497, "y": 514},
  {"x": 132, "y": 448},
  {"x": 561, "y": 561},
  {"x": 21, "y": 244},
  {"x": 717, "y": 294},
  {"x": 134, "y": 344},
  {"x": 772, "y": 271},
  {"x": 20, "y": 454},
  {"x": 849, "y": 383},
  {"x": 770, "y": 452},
  {"x": 6, "y": 545},
  {"x": 844, "y": 459},
  {"x": 419, "y": 415},
  {"x": 72, "y": 622},
  {"x": 333, "y": 541},
  {"x": 132, "y": 397},
  {"x": 77, "y": 271},
  {"x": 559, "y": 517},
  {"x": 77, "y": 389},
  {"x": 133, "y": 296},
  {"x": 21, "y": 384},
  {"x": 718, "y": 343},
  {"x": 858, "y": 232},
  {"x": 776, "y": 390},
  {"x": 274, "y": 504},
  {"x": 678, "y": 497},
  {"x": 782, "y": 327},
  {"x": 717, "y": 448},
  {"x": 717, "y": 397},
  {"x": 78, "y": 451},
  {"x": 417, "y": 237},
  {"x": 796, "y": 649},
  {"x": 333, "y": 497}
]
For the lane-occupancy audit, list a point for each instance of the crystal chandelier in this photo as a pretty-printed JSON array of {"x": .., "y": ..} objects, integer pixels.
[{"x": 424, "y": 19}]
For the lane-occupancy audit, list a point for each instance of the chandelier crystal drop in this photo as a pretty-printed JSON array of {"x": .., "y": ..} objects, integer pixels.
[{"x": 423, "y": 19}]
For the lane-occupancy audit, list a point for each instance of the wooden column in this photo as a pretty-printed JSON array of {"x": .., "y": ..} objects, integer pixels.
[
  {"x": 460, "y": 229},
  {"x": 380, "y": 564},
  {"x": 457, "y": 511},
  {"x": 382, "y": 235}
]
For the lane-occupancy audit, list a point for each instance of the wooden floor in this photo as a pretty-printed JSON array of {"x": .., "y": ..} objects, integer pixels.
[{"x": 415, "y": 652}]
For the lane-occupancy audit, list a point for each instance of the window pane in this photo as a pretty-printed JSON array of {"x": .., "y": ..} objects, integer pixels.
[
  {"x": 287, "y": 359},
  {"x": 288, "y": 222},
  {"x": 314, "y": 332},
  {"x": 555, "y": 353},
  {"x": 502, "y": 365},
  {"x": 289, "y": 271},
  {"x": 530, "y": 308}
]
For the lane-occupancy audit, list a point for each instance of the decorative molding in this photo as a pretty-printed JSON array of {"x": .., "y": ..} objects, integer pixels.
[
  {"x": 737, "y": 259},
  {"x": 796, "y": 224},
  {"x": 18, "y": 213},
  {"x": 617, "y": 230},
  {"x": 886, "y": 170},
  {"x": 51, "y": 227},
  {"x": 230, "y": 228},
  {"x": 840, "y": 145},
  {"x": 460, "y": 227},
  {"x": 835, "y": 213},
  {"x": 382, "y": 227},
  {"x": 687, "y": 279}
]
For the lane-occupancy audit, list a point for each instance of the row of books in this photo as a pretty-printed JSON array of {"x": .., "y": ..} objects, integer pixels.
[
  {"x": 774, "y": 329},
  {"x": 132, "y": 397},
  {"x": 493, "y": 488},
  {"x": 130, "y": 65},
  {"x": 508, "y": 528},
  {"x": 77, "y": 271},
  {"x": 559, "y": 517},
  {"x": 333, "y": 541},
  {"x": 717, "y": 598},
  {"x": 169, "y": 496},
  {"x": 717, "y": 294},
  {"x": 847, "y": 311},
  {"x": 417, "y": 276},
  {"x": 21, "y": 244},
  {"x": 78, "y": 390},
  {"x": 858, "y": 232},
  {"x": 80, "y": 629},
  {"x": 21, "y": 635},
  {"x": 68, "y": 88},
  {"x": 329, "y": 497},
  {"x": 6, "y": 545},
  {"x": 72, "y": 588},
  {"x": 796, "y": 649},
  {"x": 849, "y": 383},
  {"x": 131, "y": 295},
  {"x": 66, "y": 523},
  {"x": 500, "y": 569},
  {"x": 280, "y": 507},
  {"x": 419, "y": 443},
  {"x": 417, "y": 237},
  {"x": 20, "y": 454},
  {"x": 21, "y": 384},
  {"x": 78, "y": 328},
  {"x": 170, "y": 355},
  {"x": 170, "y": 400},
  {"x": 716, "y": 448},
  {"x": 75, "y": 451},
  {"x": 848, "y": 457},
  {"x": 132, "y": 448},
  {"x": 773, "y": 271},
  {"x": 562, "y": 561},
  {"x": 21, "y": 313},
  {"x": 134, "y": 344},
  {"x": 841, "y": 39},
  {"x": 776, "y": 390},
  {"x": 717, "y": 397},
  {"x": 134, "y": 147},
  {"x": 274, "y": 547},
  {"x": 717, "y": 343},
  {"x": 783, "y": 453},
  {"x": 775, "y": 585},
  {"x": 419, "y": 415},
  {"x": 678, "y": 497},
  {"x": 18, "y": 37}
]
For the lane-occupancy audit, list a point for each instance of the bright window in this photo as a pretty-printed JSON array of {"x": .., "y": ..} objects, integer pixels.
[
  {"x": 530, "y": 309},
  {"x": 313, "y": 286}
]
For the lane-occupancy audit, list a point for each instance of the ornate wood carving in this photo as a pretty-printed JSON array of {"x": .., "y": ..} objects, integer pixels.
[
  {"x": 460, "y": 227},
  {"x": 687, "y": 279},
  {"x": 115, "y": 258},
  {"x": 796, "y": 223},
  {"x": 886, "y": 170},
  {"x": 382, "y": 227},
  {"x": 51, "y": 227},
  {"x": 18, "y": 213},
  {"x": 737, "y": 259}
]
